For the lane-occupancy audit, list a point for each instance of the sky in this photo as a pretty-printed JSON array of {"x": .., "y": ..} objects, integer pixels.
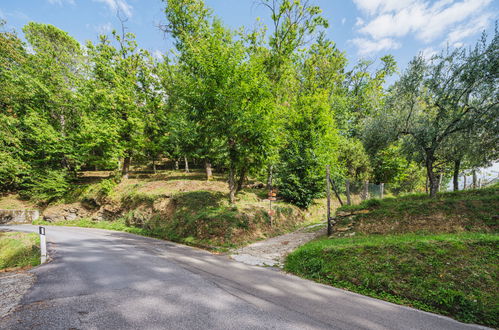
[{"x": 364, "y": 29}]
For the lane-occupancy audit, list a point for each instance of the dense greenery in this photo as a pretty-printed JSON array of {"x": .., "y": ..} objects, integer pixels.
[
  {"x": 274, "y": 104},
  {"x": 452, "y": 274},
  {"x": 19, "y": 250}
]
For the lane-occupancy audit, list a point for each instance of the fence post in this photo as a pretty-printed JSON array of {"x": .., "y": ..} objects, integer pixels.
[
  {"x": 328, "y": 193},
  {"x": 43, "y": 244},
  {"x": 365, "y": 194},
  {"x": 382, "y": 190},
  {"x": 349, "y": 201}
]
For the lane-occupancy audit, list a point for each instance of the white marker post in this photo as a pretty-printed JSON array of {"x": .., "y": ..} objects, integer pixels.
[{"x": 43, "y": 244}]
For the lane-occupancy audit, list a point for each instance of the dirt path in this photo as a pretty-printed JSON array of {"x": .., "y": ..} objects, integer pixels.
[{"x": 273, "y": 251}]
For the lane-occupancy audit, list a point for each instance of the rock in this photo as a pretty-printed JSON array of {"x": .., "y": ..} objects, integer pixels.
[
  {"x": 18, "y": 216},
  {"x": 342, "y": 229},
  {"x": 71, "y": 216},
  {"x": 53, "y": 217}
]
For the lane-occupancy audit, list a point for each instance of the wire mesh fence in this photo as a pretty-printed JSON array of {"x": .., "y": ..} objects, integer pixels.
[{"x": 354, "y": 192}]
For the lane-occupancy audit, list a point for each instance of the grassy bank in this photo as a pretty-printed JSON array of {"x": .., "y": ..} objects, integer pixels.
[
  {"x": 177, "y": 206},
  {"x": 451, "y": 274},
  {"x": 439, "y": 255},
  {"x": 450, "y": 212},
  {"x": 18, "y": 250}
]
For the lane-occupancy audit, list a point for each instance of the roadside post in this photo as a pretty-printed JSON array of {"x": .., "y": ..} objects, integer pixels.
[
  {"x": 272, "y": 197},
  {"x": 328, "y": 194},
  {"x": 43, "y": 244}
]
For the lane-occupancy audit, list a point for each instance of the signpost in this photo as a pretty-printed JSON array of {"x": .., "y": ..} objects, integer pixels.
[
  {"x": 328, "y": 194},
  {"x": 43, "y": 244},
  {"x": 272, "y": 197}
]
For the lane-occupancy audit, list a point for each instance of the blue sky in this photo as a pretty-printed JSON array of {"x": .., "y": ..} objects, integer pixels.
[{"x": 361, "y": 28}]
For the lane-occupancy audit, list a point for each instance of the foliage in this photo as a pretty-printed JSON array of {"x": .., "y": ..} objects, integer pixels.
[
  {"x": 46, "y": 186},
  {"x": 436, "y": 101},
  {"x": 276, "y": 104}
]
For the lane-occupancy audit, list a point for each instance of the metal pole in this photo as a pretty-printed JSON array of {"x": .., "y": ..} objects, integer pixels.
[
  {"x": 366, "y": 190},
  {"x": 328, "y": 192},
  {"x": 43, "y": 245},
  {"x": 349, "y": 201}
]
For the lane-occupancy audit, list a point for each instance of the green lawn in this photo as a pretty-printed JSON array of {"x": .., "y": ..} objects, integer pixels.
[
  {"x": 451, "y": 274},
  {"x": 19, "y": 250}
]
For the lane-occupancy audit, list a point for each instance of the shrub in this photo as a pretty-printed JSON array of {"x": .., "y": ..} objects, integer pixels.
[{"x": 46, "y": 186}]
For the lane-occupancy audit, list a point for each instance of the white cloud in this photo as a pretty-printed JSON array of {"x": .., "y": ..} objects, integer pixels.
[
  {"x": 368, "y": 47},
  {"x": 476, "y": 25},
  {"x": 61, "y": 2},
  {"x": 104, "y": 28},
  {"x": 428, "y": 52},
  {"x": 425, "y": 20},
  {"x": 372, "y": 7},
  {"x": 343, "y": 21},
  {"x": 118, "y": 5}
]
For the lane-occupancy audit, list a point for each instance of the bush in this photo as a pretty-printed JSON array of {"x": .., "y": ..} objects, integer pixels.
[
  {"x": 46, "y": 186},
  {"x": 300, "y": 177}
]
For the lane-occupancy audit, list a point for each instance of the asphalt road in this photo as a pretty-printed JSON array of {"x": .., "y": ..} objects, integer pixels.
[{"x": 109, "y": 280}]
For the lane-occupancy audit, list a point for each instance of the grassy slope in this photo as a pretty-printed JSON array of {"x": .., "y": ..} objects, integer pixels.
[
  {"x": 471, "y": 210},
  {"x": 440, "y": 256},
  {"x": 185, "y": 208},
  {"x": 19, "y": 250}
]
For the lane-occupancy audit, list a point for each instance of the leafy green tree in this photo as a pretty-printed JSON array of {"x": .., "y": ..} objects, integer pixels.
[
  {"x": 117, "y": 97},
  {"x": 12, "y": 59},
  {"x": 223, "y": 91},
  {"x": 437, "y": 100},
  {"x": 311, "y": 137}
]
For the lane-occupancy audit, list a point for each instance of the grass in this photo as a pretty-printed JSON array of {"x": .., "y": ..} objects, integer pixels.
[
  {"x": 471, "y": 210},
  {"x": 450, "y": 274},
  {"x": 439, "y": 255},
  {"x": 18, "y": 250},
  {"x": 181, "y": 207},
  {"x": 14, "y": 202}
]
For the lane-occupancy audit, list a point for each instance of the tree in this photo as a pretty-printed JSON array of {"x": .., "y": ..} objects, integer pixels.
[
  {"x": 116, "y": 95},
  {"x": 311, "y": 136},
  {"x": 223, "y": 91},
  {"x": 12, "y": 59},
  {"x": 437, "y": 100}
]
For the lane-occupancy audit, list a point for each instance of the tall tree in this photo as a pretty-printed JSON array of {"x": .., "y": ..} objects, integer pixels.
[{"x": 439, "y": 99}]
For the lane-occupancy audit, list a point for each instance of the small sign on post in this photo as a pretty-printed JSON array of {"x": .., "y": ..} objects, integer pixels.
[{"x": 43, "y": 244}]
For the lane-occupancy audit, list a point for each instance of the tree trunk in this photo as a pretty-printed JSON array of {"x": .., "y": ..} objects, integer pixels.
[
  {"x": 207, "y": 167},
  {"x": 241, "y": 180},
  {"x": 475, "y": 180},
  {"x": 455, "y": 178},
  {"x": 186, "y": 165},
  {"x": 232, "y": 185},
  {"x": 432, "y": 178},
  {"x": 154, "y": 165},
  {"x": 126, "y": 167},
  {"x": 440, "y": 177},
  {"x": 464, "y": 184},
  {"x": 269, "y": 177},
  {"x": 176, "y": 165},
  {"x": 427, "y": 186}
]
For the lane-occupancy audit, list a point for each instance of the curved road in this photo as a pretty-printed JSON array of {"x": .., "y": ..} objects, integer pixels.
[{"x": 109, "y": 280}]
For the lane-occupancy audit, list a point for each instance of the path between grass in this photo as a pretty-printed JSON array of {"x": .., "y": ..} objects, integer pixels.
[{"x": 273, "y": 251}]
